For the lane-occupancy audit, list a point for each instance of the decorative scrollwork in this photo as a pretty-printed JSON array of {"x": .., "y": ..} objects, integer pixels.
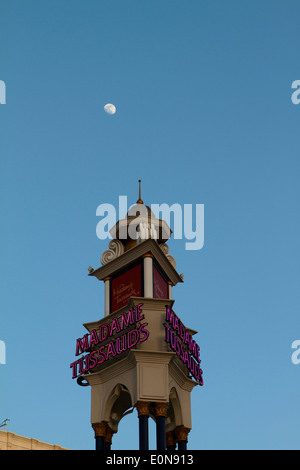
[
  {"x": 165, "y": 249},
  {"x": 172, "y": 261},
  {"x": 116, "y": 249}
]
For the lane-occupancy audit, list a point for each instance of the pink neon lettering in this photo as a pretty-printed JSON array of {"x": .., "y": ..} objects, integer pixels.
[
  {"x": 80, "y": 364},
  {"x": 126, "y": 319},
  {"x": 178, "y": 347},
  {"x": 74, "y": 369},
  {"x": 138, "y": 313},
  {"x": 168, "y": 329},
  {"x": 101, "y": 355},
  {"x": 93, "y": 360},
  {"x": 144, "y": 332},
  {"x": 169, "y": 312},
  {"x": 115, "y": 347},
  {"x": 82, "y": 345},
  {"x": 103, "y": 332},
  {"x": 93, "y": 338},
  {"x": 122, "y": 348},
  {"x": 115, "y": 327},
  {"x": 179, "y": 328},
  {"x": 110, "y": 350},
  {"x": 133, "y": 338}
]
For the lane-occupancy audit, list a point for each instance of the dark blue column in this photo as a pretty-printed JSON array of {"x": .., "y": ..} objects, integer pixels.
[
  {"x": 143, "y": 409},
  {"x": 100, "y": 433},
  {"x": 182, "y": 445},
  {"x": 143, "y": 433},
  {"x": 161, "y": 442},
  {"x": 100, "y": 443},
  {"x": 160, "y": 410},
  {"x": 182, "y": 433}
]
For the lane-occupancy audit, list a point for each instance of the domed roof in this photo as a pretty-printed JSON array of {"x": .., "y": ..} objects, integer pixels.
[
  {"x": 126, "y": 231},
  {"x": 140, "y": 210}
]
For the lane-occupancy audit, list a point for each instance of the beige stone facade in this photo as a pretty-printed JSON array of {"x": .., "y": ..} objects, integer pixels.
[{"x": 12, "y": 441}]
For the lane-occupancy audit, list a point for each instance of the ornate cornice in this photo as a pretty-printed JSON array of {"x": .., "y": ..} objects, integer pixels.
[
  {"x": 113, "y": 370},
  {"x": 118, "y": 263},
  {"x": 133, "y": 301},
  {"x": 180, "y": 376}
]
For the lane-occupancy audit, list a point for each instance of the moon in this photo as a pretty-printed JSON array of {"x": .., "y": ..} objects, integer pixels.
[{"x": 110, "y": 108}]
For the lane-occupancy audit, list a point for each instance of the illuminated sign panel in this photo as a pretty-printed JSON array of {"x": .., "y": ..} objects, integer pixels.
[
  {"x": 183, "y": 344},
  {"x": 125, "y": 285},
  {"x": 160, "y": 285},
  {"x": 110, "y": 340}
]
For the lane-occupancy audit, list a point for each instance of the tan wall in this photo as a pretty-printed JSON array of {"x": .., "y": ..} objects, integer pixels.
[{"x": 11, "y": 441}]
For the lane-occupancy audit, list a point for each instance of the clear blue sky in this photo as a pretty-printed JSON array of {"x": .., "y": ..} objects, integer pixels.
[{"x": 204, "y": 115}]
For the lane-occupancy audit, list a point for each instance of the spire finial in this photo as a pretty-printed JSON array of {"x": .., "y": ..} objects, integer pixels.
[{"x": 140, "y": 194}]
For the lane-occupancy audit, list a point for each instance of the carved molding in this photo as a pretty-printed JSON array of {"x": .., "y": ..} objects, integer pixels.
[
  {"x": 103, "y": 430},
  {"x": 143, "y": 408},
  {"x": 116, "y": 249},
  {"x": 109, "y": 435},
  {"x": 148, "y": 246},
  {"x": 100, "y": 429},
  {"x": 182, "y": 433},
  {"x": 171, "y": 440},
  {"x": 160, "y": 409}
]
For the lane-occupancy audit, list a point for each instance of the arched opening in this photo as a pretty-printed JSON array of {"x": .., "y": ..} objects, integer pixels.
[
  {"x": 118, "y": 405},
  {"x": 174, "y": 417},
  {"x": 128, "y": 433}
]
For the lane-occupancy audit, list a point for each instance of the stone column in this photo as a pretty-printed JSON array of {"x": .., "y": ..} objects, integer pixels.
[
  {"x": 160, "y": 410},
  {"x": 170, "y": 289},
  {"x": 148, "y": 275},
  {"x": 100, "y": 434},
  {"x": 143, "y": 409},
  {"x": 182, "y": 433},
  {"x": 107, "y": 296}
]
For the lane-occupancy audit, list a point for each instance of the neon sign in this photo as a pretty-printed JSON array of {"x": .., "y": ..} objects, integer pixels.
[
  {"x": 114, "y": 343},
  {"x": 183, "y": 344}
]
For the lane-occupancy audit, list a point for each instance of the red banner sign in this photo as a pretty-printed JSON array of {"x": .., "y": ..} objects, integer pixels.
[
  {"x": 160, "y": 285},
  {"x": 126, "y": 285}
]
